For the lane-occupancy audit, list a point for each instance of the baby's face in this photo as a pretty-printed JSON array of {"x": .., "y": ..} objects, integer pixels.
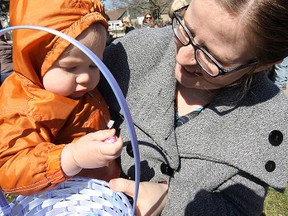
[{"x": 74, "y": 74}]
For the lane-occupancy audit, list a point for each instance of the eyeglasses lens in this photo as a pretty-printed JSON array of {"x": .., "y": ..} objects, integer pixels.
[
  {"x": 205, "y": 62},
  {"x": 180, "y": 32}
]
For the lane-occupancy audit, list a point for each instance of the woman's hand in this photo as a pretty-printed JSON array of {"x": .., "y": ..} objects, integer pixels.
[
  {"x": 152, "y": 196},
  {"x": 90, "y": 151}
]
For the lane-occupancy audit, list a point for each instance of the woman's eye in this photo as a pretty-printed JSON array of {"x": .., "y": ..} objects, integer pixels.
[{"x": 210, "y": 62}]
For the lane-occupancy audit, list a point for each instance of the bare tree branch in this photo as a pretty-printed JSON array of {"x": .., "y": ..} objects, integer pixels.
[
  {"x": 4, "y": 7},
  {"x": 156, "y": 7}
]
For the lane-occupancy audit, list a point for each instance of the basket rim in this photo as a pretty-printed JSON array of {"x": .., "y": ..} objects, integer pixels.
[{"x": 75, "y": 195}]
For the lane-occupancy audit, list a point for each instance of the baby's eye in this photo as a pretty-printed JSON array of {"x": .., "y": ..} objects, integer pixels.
[
  {"x": 93, "y": 67},
  {"x": 69, "y": 69}
]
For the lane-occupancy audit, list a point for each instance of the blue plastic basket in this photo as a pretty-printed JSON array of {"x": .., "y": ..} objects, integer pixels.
[{"x": 79, "y": 196}]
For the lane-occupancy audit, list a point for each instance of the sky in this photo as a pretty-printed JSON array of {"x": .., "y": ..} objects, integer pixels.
[{"x": 107, "y": 4}]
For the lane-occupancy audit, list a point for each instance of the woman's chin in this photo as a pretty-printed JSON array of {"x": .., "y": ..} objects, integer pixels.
[
  {"x": 189, "y": 80},
  {"x": 195, "y": 81}
]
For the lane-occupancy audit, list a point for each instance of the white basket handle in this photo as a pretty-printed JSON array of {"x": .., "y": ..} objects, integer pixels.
[{"x": 116, "y": 90}]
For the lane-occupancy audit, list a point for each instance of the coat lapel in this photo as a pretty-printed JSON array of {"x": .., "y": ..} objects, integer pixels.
[{"x": 153, "y": 99}]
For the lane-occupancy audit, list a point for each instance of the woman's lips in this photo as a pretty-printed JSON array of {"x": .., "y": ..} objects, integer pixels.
[{"x": 189, "y": 73}]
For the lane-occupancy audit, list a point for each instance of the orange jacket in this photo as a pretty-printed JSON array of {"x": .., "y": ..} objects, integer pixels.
[{"x": 35, "y": 124}]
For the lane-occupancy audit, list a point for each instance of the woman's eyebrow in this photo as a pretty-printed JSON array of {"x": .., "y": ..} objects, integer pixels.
[{"x": 200, "y": 42}]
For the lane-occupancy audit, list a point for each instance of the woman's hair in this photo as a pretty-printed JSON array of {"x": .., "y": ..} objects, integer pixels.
[
  {"x": 177, "y": 4},
  {"x": 266, "y": 23}
]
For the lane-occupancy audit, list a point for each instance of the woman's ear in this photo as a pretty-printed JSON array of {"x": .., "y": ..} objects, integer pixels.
[{"x": 262, "y": 67}]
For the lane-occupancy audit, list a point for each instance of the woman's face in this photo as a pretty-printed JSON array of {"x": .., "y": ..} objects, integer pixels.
[
  {"x": 148, "y": 18},
  {"x": 222, "y": 35}
]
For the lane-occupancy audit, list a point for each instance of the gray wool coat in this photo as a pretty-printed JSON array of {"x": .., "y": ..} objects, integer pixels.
[{"x": 219, "y": 163}]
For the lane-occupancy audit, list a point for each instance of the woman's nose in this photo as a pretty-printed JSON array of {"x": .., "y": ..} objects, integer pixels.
[{"x": 186, "y": 55}]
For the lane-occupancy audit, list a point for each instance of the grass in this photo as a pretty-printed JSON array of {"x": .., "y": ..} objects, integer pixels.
[
  {"x": 276, "y": 204},
  {"x": 10, "y": 197}
]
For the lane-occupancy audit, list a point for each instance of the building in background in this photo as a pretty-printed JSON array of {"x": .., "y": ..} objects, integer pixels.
[{"x": 116, "y": 28}]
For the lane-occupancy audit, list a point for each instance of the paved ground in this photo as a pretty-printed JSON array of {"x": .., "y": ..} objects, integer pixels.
[{"x": 286, "y": 90}]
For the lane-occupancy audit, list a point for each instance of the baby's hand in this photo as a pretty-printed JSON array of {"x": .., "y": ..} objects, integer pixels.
[
  {"x": 93, "y": 150},
  {"x": 111, "y": 139}
]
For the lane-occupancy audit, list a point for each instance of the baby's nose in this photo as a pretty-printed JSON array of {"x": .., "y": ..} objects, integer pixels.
[{"x": 83, "y": 78}]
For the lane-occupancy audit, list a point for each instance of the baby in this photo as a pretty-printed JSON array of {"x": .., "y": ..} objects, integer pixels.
[{"x": 53, "y": 120}]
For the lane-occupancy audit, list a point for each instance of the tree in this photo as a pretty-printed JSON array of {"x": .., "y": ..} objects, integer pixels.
[
  {"x": 156, "y": 7},
  {"x": 4, "y": 8}
]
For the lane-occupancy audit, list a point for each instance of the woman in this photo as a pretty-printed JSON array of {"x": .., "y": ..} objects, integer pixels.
[
  {"x": 215, "y": 138},
  {"x": 148, "y": 21}
]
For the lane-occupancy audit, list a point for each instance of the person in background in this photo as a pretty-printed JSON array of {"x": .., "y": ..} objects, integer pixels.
[
  {"x": 127, "y": 24},
  {"x": 6, "y": 65},
  {"x": 211, "y": 126},
  {"x": 54, "y": 121},
  {"x": 148, "y": 21}
]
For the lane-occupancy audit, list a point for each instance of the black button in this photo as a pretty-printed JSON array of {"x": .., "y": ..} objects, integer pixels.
[
  {"x": 275, "y": 137},
  {"x": 129, "y": 150},
  {"x": 165, "y": 169},
  {"x": 270, "y": 166}
]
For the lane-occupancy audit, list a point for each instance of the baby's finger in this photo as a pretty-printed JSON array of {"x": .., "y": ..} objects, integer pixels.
[
  {"x": 112, "y": 149},
  {"x": 102, "y": 134},
  {"x": 111, "y": 139}
]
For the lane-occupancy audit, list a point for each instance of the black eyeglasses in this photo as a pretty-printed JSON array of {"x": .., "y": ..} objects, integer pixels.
[
  {"x": 206, "y": 61},
  {"x": 148, "y": 17}
]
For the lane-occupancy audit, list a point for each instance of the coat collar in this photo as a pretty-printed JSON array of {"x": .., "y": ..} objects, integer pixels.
[{"x": 152, "y": 100}]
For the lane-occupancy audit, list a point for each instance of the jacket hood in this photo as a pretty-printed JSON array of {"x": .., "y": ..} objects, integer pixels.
[{"x": 34, "y": 51}]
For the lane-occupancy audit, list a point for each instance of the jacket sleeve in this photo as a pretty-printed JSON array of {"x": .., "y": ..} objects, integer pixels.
[
  {"x": 237, "y": 193},
  {"x": 27, "y": 157}
]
